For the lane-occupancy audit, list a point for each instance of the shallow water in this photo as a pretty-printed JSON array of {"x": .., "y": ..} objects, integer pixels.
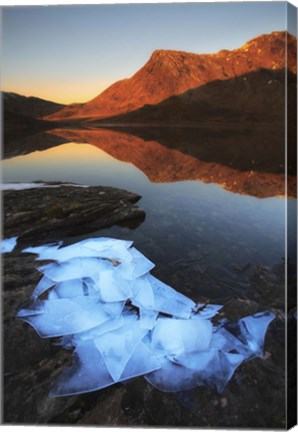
[{"x": 206, "y": 241}]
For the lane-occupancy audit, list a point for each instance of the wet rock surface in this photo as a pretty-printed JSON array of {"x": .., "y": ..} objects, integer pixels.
[{"x": 62, "y": 210}]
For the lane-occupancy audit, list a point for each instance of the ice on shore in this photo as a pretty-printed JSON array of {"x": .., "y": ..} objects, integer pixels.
[
  {"x": 8, "y": 245},
  {"x": 23, "y": 186},
  {"x": 99, "y": 297}
]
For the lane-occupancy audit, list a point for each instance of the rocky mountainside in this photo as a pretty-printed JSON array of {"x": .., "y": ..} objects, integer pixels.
[
  {"x": 253, "y": 97},
  {"x": 169, "y": 73}
]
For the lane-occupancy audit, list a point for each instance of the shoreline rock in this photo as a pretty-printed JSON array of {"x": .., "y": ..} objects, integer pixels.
[{"x": 61, "y": 210}]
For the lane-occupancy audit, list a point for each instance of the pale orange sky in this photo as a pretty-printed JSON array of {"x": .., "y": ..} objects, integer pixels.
[{"x": 59, "y": 91}]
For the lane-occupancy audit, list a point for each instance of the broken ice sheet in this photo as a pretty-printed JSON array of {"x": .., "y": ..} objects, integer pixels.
[
  {"x": 169, "y": 301},
  {"x": 177, "y": 336},
  {"x": 109, "y": 288},
  {"x": 116, "y": 347},
  {"x": 89, "y": 371},
  {"x": 172, "y": 377},
  {"x": 43, "y": 285},
  {"x": 99, "y": 296},
  {"x": 245, "y": 336},
  {"x": 99, "y": 248},
  {"x": 147, "y": 318},
  {"x": 8, "y": 245},
  {"x": 61, "y": 317},
  {"x": 74, "y": 268},
  {"x": 138, "y": 266},
  {"x": 75, "y": 288}
]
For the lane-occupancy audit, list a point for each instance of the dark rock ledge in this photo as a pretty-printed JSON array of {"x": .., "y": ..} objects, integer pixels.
[{"x": 64, "y": 210}]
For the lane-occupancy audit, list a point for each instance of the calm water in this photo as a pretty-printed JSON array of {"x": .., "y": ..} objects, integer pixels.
[{"x": 205, "y": 241}]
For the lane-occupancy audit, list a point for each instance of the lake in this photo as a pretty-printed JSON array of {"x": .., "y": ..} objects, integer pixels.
[{"x": 205, "y": 240}]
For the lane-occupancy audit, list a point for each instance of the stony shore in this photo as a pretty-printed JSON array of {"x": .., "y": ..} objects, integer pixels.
[{"x": 59, "y": 210}]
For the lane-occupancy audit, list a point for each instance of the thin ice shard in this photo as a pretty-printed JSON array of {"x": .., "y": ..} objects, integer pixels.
[
  {"x": 8, "y": 245},
  {"x": 75, "y": 268},
  {"x": 88, "y": 372},
  {"x": 99, "y": 296},
  {"x": 147, "y": 318},
  {"x": 116, "y": 347},
  {"x": 207, "y": 311},
  {"x": 59, "y": 317},
  {"x": 177, "y": 336},
  {"x": 43, "y": 285},
  {"x": 169, "y": 301}
]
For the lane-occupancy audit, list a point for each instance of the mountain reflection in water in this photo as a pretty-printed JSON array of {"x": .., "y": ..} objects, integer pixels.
[
  {"x": 163, "y": 164},
  {"x": 206, "y": 239}
]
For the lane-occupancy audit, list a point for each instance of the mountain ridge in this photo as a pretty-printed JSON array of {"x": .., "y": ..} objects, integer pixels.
[
  {"x": 31, "y": 106},
  {"x": 23, "y": 113},
  {"x": 169, "y": 72}
]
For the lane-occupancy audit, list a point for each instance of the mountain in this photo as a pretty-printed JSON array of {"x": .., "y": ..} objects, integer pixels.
[
  {"x": 253, "y": 97},
  {"x": 29, "y": 106},
  {"x": 22, "y": 114},
  {"x": 169, "y": 73}
]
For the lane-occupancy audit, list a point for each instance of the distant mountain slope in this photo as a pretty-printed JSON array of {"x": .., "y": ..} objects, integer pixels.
[
  {"x": 29, "y": 106},
  {"x": 169, "y": 73},
  {"x": 22, "y": 114},
  {"x": 254, "y": 97}
]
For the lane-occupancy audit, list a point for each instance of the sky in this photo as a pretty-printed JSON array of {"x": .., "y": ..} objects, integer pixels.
[{"x": 72, "y": 53}]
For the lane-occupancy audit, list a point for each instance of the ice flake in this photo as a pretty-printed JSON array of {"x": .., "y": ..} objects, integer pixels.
[
  {"x": 43, "y": 285},
  {"x": 207, "y": 311},
  {"x": 116, "y": 347},
  {"x": 74, "y": 268},
  {"x": 143, "y": 293},
  {"x": 88, "y": 372},
  {"x": 23, "y": 186},
  {"x": 61, "y": 317},
  {"x": 8, "y": 245},
  {"x": 221, "y": 369},
  {"x": 75, "y": 288},
  {"x": 148, "y": 318},
  {"x": 98, "y": 248},
  {"x": 95, "y": 332},
  {"x": 138, "y": 266},
  {"x": 247, "y": 335},
  {"x": 255, "y": 330},
  {"x": 172, "y": 377},
  {"x": 176, "y": 337},
  {"x": 114, "y": 309},
  {"x": 141, "y": 362},
  {"x": 110, "y": 290},
  {"x": 169, "y": 301},
  {"x": 44, "y": 252}
]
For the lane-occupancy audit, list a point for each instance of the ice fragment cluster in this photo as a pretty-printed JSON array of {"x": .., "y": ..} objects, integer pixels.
[{"x": 121, "y": 322}]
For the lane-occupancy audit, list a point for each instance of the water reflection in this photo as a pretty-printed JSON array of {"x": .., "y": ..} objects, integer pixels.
[
  {"x": 208, "y": 242},
  {"x": 164, "y": 157},
  {"x": 183, "y": 162}
]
